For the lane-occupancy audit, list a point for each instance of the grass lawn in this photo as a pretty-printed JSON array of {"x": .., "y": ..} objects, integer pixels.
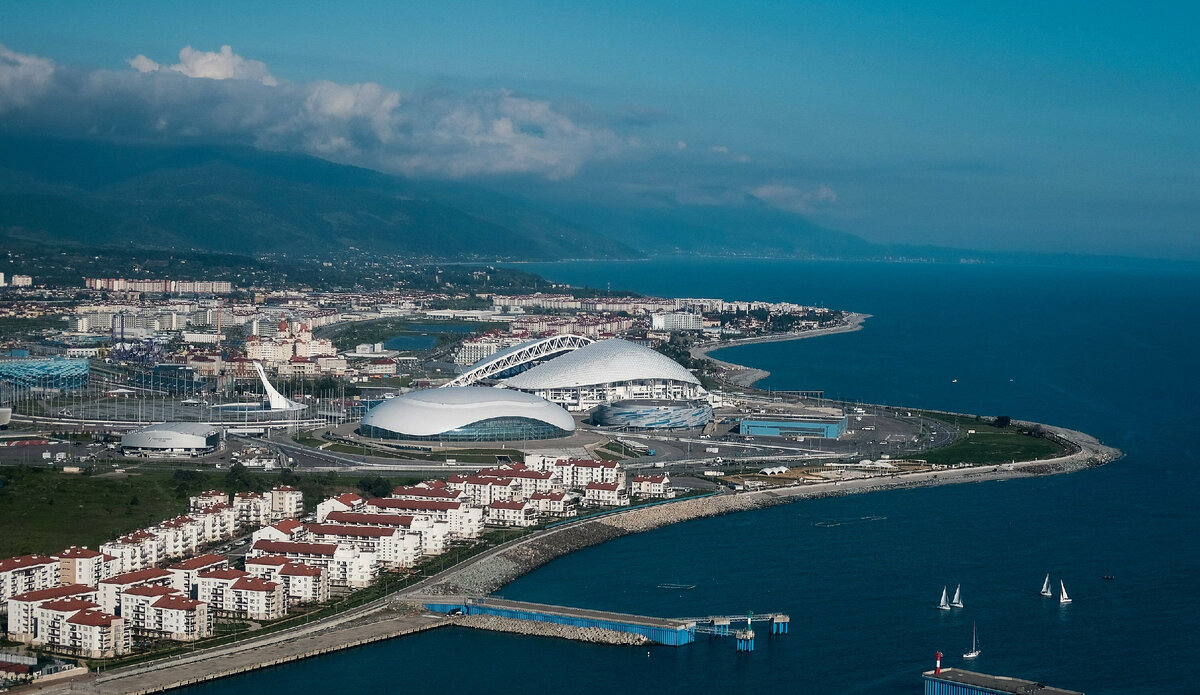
[
  {"x": 44, "y": 511},
  {"x": 991, "y": 445}
]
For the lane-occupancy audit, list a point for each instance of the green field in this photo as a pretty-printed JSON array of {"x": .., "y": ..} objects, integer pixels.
[
  {"x": 44, "y": 511},
  {"x": 990, "y": 445}
]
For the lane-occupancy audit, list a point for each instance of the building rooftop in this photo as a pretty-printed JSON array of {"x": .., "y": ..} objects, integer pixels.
[{"x": 997, "y": 684}]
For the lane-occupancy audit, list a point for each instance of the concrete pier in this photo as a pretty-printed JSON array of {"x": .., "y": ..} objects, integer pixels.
[{"x": 664, "y": 631}]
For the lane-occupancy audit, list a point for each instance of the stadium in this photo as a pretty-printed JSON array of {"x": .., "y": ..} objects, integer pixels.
[
  {"x": 172, "y": 439},
  {"x": 607, "y": 371},
  {"x": 653, "y": 415},
  {"x": 466, "y": 414}
]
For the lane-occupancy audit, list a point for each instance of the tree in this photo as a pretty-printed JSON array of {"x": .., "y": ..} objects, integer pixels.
[
  {"x": 1002, "y": 421},
  {"x": 375, "y": 486}
]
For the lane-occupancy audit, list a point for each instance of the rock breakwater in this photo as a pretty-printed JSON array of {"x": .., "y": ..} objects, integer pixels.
[{"x": 594, "y": 635}]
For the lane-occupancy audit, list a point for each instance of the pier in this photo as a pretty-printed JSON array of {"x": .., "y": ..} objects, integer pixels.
[
  {"x": 665, "y": 631},
  {"x": 673, "y": 632}
]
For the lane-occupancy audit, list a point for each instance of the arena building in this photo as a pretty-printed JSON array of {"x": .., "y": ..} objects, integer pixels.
[
  {"x": 467, "y": 414},
  {"x": 653, "y": 415},
  {"x": 607, "y": 371},
  {"x": 172, "y": 439}
]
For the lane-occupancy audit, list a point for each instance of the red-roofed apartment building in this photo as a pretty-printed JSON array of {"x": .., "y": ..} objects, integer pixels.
[
  {"x": 135, "y": 551},
  {"x": 219, "y": 522},
  {"x": 559, "y": 504},
  {"x": 236, "y": 593},
  {"x": 348, "y": 502},
  {"x": 605, "y": 495},
  {"x": 512, "y": 513},
  {"x": 94, "y": 634},
  {"x": 112, "y": 588},
  {"x": 301, "y": 583},
  {"x": 286, "y": 502},
  {"x": 209, "y": 498},
  {"x": 22, "y": 608},
  {"x": 393, "y": 546},
  {"x": 346, "y": 565},
  {"x": 181, "y": 536},
  {"x": 286, "y": 530},
  {"x": 185, "y": 575},
  {"x": 253, "y": 510},
  {"x": 19, "y": 575},
  {"x": 465, "y": 520},
  {"x": 658, "y": 486},
  {"x": 84, "y": 566}
]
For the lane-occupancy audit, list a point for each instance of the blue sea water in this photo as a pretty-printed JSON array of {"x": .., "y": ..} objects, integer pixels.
[{"x": 1108, "y": 350}]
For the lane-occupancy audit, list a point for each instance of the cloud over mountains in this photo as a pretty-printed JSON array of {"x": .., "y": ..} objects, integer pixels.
[{"x": 223, "y": 97}]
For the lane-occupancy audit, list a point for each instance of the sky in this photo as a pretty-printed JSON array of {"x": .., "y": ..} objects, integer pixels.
[{"x": 1036, "y": 126}]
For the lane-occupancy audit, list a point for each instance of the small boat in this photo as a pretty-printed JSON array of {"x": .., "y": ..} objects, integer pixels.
[
  {"x": 944, "y": 604},
  {"x": 1046, "y": 586},
  {"x": 1109, "y": 577},
  {"x": 956, "y": 602},
  {"x": 974, "y": 644},
  {"x": 684, "y": 587},
  {"x": 1062, "y": 593}
]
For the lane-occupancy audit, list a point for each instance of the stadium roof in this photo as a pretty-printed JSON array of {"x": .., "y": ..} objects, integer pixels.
[
  {"x": 434, "y": 411},
  {"x": 603, "y": 362}
]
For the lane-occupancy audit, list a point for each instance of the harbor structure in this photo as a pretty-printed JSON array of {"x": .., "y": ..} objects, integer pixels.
[{"x": 957, "y": 681}]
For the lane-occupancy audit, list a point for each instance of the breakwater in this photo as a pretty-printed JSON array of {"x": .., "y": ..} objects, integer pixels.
[{"x": 594, "y": 635}]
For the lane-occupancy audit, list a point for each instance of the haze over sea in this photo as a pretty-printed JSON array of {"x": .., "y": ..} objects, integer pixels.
[{"x": 1109, "y": 351}]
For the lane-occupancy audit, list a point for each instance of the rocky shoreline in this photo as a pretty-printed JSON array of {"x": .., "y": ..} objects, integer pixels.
[{"x": 492, "y": 573}]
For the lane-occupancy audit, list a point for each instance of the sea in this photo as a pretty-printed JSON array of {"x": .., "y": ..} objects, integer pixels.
[{"x": 1104, "y": 347}]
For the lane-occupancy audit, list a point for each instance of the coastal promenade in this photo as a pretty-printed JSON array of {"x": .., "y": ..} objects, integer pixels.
[
  {"x": 392, "y": 617},
  {"x": 741, "y": 375}
]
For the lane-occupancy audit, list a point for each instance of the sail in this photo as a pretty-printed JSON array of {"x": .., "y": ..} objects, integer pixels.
[
  {"x": 1062, "y": 597},
  {"x": 944, "y": 604},
  {"x": 957, "y": 600},
  {"x": 1046, "y": 585}
]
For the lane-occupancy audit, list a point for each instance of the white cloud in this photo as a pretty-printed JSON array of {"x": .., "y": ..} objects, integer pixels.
[
  {"x": 795, "y": 198},
  {"x": 23, "y": 78},
  {"x": 220, "y": 65},
  {"x": 224, "y": 97}
]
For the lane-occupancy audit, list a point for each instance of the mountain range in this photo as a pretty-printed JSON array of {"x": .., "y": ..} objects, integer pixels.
[{"x": 242, "y": 200}]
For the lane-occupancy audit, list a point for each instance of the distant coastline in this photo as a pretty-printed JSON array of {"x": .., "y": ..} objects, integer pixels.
[{"x": 746, "y": 377}]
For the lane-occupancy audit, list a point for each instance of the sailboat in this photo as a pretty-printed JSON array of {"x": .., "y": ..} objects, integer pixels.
[
  {"x": 944, "y": 604},
  {"x": 1062, "y": 593},
  {"x": 956, "y": 602},
  {"x": 974, "y": 644},
  {"x": 1046, "y": 586}
]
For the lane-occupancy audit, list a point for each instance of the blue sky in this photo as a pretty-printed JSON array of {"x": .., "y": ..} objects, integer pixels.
[{"x": 1039, "y": 126}]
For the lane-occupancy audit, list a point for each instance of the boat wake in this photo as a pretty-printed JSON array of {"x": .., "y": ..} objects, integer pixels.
[{"x": 830, "y": 523}]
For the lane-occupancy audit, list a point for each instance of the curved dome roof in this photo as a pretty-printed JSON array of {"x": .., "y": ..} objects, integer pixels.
[
  {"x": 602, "y": 362},
  {"x": 433, "y": 411}
]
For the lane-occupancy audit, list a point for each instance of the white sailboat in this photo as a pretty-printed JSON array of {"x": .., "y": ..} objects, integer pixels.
[
  {"x": 956, "y": 602},
  {"x": 1046, "y": 586},
  {"x": 974, "y": 644},
  {"x": 1062, "y": 593},
  {"x": 944, "y": 604}
]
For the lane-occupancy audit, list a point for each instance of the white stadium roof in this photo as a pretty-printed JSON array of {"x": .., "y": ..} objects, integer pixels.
[
  {"x": 431, "y": 412},
  {"x": 603, "y": 362}
]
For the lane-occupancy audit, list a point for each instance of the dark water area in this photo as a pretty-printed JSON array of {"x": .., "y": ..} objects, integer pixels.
[
  {"x": 1106, "y": 350},
  {"x": 423, "y": 336}
]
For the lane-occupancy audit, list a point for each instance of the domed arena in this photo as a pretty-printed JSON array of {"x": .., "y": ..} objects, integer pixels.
[
  {"x": 467, "y": 414},
  {"x": 607, "y": 371}
]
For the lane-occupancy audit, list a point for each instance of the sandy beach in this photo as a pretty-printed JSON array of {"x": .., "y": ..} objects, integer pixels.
[{"x": 741, "y": 375}]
